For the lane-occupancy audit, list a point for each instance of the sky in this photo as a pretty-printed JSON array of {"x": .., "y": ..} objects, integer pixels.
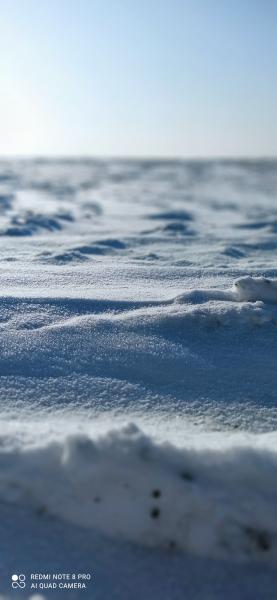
[{"x": 158, "y": 78}]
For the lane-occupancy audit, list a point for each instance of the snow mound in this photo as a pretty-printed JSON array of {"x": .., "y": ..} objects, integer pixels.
[
  {"x": 256, "y": 288},
  {"x": 217, "y": 502},
  {"x": 245, "y": 289}
]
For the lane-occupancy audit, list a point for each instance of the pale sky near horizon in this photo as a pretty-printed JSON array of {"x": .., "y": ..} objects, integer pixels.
[{"x": 190, "y": 78}]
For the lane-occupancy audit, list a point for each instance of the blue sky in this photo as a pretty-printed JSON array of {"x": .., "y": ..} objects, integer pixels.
[{"x": 138, "y": 78}]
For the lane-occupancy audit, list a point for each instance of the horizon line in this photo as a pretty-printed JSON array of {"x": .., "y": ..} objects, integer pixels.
[{"x": 138, "y": 157}]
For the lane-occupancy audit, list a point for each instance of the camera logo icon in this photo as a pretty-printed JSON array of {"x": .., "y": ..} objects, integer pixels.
[{"x": 18, "y": 581}]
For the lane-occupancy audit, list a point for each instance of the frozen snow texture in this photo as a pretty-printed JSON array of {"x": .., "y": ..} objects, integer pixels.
[{"x": 143, "y": 291}]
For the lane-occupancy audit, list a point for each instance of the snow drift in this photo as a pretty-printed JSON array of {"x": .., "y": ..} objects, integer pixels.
[{"x": 212, "y": 502}]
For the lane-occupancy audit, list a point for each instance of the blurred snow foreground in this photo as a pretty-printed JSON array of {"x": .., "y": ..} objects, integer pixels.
[{"x": 217, "y": 502}]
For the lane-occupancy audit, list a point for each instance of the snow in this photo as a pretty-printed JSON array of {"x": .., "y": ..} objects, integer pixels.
[
  {"x": 138, "y": 376},
  {"x": 217, "y": 503}
]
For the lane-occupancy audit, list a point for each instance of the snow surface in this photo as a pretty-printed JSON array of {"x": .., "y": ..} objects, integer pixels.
[{"x": 138, "y": 376}]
